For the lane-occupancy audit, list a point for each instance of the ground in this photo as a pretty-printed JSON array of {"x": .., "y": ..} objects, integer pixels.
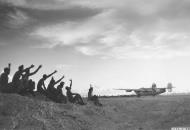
[{"x": 146, "y": 113}]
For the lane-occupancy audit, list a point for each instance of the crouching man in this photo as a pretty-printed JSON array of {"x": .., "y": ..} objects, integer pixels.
[
  {"x": 74, "y": 97},
  {"x": 92, "y": 97}
]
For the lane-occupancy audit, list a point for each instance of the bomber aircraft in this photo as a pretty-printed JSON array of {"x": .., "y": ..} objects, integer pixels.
[{"x": 152, "y": 91}]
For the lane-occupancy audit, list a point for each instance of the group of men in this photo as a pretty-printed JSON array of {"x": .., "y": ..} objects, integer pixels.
[{"x": 23, "y": 85}]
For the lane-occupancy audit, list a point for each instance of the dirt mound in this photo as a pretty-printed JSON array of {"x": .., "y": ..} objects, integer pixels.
[
  {"x": 159, "y": 113},
  {"x": 24, "y": 113}
]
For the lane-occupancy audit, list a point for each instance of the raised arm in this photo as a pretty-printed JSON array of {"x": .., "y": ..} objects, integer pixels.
[
  {"x": 59, "y": 79},
  {"x": 35, "y": 70},
  {"x": 30, "y": 67},
  {"x": 51, "y": 74},
  {"x": 71, "y": 86},
  {"x": 71, "y": 83},
  {"x": 9, "y": 66}
]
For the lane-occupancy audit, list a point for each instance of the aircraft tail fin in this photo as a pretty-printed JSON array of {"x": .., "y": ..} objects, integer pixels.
[{"x": 169, "y": 87}]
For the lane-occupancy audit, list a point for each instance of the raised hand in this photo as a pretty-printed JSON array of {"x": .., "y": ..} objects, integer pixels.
[
  {"x": 32, "y": 66},
  {"x": 35, "y": 70},
  {"x": 71, "y": 83},
  {"x": 59, "y": 79},
  {"x": 40, "y": 66}
]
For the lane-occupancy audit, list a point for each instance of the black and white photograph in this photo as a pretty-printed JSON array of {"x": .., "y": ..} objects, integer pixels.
[{"x": 94, "y": 64}]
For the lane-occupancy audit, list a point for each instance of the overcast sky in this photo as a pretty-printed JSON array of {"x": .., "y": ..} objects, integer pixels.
[{"x": 109, "y": 43}]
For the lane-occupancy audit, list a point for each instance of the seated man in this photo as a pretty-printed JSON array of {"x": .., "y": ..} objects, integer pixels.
[
  {"x": 61, "y": 98},
  {"x": 26, "y": 83},
  {"x": 25, "y": 77},
  {"x": 73, "y": 97},
  {"x": 41, "y": 88},
  {"x": 31, "y": 87},
  {"x": 16, "y": 81},
  {"x": 4, "y": 78},
  {"x": 93, "y": 98},
  {"x": 29, "y": 90},
  {"x": 51, "y": 90}
]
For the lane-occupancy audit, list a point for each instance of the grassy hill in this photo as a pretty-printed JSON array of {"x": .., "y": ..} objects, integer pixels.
[{"x": 149, "y": 113}]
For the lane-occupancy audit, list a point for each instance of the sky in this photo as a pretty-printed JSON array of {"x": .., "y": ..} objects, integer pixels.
[{"x": 107, "y": 43}]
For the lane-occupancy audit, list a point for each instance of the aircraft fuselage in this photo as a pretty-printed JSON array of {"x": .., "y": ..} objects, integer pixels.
[{"x": 150, "y": 93}]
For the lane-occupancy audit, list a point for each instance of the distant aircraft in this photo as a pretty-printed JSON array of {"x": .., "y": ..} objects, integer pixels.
[{"x": 152, "y": 91}]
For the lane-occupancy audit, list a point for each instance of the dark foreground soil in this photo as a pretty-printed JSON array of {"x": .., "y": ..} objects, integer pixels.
[{"x": 146, "y": 113}]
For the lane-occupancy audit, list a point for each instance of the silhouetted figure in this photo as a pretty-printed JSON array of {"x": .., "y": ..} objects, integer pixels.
[
  {"x": 28, "y": 90},
  {"x": 41, "y": 88},
  {"x": 51, "y": 90},
  {"x": 27, "y": 74},
  {"x": 31, "y": 87},
  {"x": 154, "y": 87},
  {"x": 26, "y": 85},
  {"x": 16, "y": 82},
  {"x": 92, "y": 97},
  {"x": 73, "y": 97},
  {"x": 4, "y": 79},
  {"x": 61, "y": 98}
]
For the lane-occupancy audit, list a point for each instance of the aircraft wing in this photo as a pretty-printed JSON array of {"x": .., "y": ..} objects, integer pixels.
[{"x": 128, "y": 90}]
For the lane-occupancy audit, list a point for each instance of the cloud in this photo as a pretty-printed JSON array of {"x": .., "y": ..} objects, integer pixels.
[
  {"x": 132, "y": 34},
  {"x": 2, "y": 44},
  {"x": 15, "y": 2},
  {"x": 109, "y": 28},
  {"x": 45, "y": 4},
  {"x": 64, "y": 66},
  {"x": 87, "y": 50},
  {"x": 13, "y": 23},
  {"x": 18, "y": 20},
  {"x": 37, "y": 4}
]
